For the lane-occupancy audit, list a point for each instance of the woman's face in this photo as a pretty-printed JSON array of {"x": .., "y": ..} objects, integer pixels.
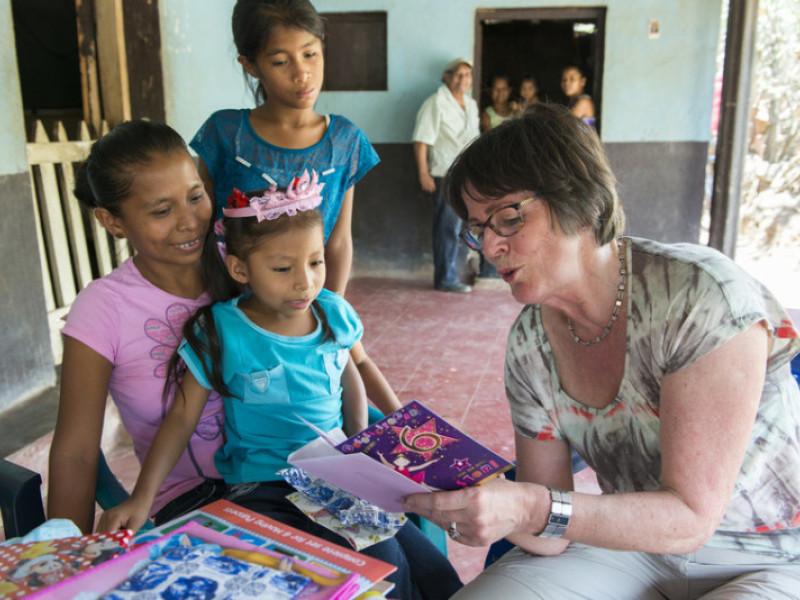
[
  {"x": 572, "y": 82},
  {"x": 538, "y": 261},
  {"x": 500, "y": 91},
  {"x": 166, "y": 213}
]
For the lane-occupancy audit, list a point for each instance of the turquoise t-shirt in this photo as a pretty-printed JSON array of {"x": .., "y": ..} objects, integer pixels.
[
  {"x": 341, "y": 159},
  {"x": 275, "y": 380}
]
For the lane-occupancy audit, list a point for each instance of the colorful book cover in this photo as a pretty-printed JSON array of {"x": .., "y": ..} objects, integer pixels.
[
  {"x": 418, "y": 443},
  {"x": 26, "y": 568},
  {"x": 275, "y": 537},
  {"x": 196, "y": 562}
]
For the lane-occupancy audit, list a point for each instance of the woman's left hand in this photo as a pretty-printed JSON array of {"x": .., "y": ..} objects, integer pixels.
[{"x": 480, "y": 515}]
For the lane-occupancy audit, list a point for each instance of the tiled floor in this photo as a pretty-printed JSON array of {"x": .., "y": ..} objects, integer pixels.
[{"x": 443, "y": 349}]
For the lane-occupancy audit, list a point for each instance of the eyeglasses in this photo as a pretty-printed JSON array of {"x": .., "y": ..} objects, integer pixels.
[{"x": 504, "y": 221}]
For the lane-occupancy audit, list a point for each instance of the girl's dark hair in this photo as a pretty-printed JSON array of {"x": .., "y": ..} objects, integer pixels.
[
  {"x": 500, "y": 76},
  {"x": 242, "y": 236},
  {"x": 550, "y": 153},
  {"x": 105, "y": 179},
  {"x": 581, "y": 71},
  {"x": 254, "y": 20}
]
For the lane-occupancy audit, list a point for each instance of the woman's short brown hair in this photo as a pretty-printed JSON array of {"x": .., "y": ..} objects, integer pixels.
[{"x": 551, "y": 153}]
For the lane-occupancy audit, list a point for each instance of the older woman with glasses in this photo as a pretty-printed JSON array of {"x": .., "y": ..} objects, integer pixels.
[{"x": 664, "y": 366}]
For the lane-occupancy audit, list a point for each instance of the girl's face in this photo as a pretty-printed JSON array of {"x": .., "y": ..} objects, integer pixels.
[
  {"x": 572, "y": 82},
  {"x": 500, "y": 91},
  {"x": 527, "y": 90},
  {"x": 289, "y": 67},
  {"x": 285, "y": 272},
  {"x": 539, "y": 261},
  {"x": 166, "y": 214}
]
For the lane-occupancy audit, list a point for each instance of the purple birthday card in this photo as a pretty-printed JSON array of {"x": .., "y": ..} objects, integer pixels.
[{"x": 421, "y": 445}]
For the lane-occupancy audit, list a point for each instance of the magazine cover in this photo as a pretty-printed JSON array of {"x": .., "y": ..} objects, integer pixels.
[
  {"x": 421, "y": 445},
  {"x": 268, "y": 534}
]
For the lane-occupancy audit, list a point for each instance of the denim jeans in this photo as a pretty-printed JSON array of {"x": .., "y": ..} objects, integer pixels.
[
  {"x": 423, "y": 573},
  {"x": 446, "y": 231}
]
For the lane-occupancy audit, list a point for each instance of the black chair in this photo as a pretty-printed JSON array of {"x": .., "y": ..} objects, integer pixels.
[
  {"x": 21, "y": 496},
  {"x": 20, "y": 499}
]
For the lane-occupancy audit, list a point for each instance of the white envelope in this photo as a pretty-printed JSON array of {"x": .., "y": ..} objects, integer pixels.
[{"x": 356, "y": 473}]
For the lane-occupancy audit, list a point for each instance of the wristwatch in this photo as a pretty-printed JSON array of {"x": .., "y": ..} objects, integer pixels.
[{"x": 560, "y": 513}]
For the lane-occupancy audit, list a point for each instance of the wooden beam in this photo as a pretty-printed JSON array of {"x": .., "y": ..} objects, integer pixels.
[
  {"x": 54, "y": 228},
  {"x": 87, "y": 56},
  {"x": 732, "y": 136},
  {"x": 114, "y": 84},
  {"x": 58, "y": 152},
  {"x": 102, "y": 248},
  {"x": 72, "y": 210}
]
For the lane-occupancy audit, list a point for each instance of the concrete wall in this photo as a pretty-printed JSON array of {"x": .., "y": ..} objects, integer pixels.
[
  {"x": 26, "y": 361},
  {"x": 657, "y": 96}
]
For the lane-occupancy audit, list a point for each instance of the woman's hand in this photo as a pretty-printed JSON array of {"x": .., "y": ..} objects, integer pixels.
[
  {"x": 486, "y": 513},
  {"x": 131, "y": 514}
]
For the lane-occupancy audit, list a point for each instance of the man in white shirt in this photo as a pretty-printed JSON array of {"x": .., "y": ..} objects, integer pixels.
[{"x": 446, "y": 122}]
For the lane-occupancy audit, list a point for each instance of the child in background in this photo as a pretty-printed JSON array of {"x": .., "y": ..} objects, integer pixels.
[
  {"x": 528, "y": 94},
  {"x": 278, "y": 354},
  {"x": 141, "y": 184},
  {"x": 280, "y": 46},
  {"x": 500, "y": 109},
  {"x": 573, "y": 83}
]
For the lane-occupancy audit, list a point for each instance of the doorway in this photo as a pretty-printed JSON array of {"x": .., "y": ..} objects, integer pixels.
[{"x": 540, "y": 42}]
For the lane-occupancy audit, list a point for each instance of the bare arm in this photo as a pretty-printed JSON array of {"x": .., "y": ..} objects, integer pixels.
[
  {"x": 339, "y": 249},
  {"x": 378, "y": 389},
  {"x": 548, "y": 463},
  {"x": 208, "y": 182},
  {"x": 486, "y": 123},
  {"x": 76, "y": 442},
  {"x": 707, "y": 413},
  {"x": 426, "y": 182},
  {"x": 170, "y": 442},
  {"x": 354, "y": 400}
]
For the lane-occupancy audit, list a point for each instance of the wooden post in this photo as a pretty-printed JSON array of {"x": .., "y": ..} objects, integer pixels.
[
  {"x": 49, "y": 299},
  {"x": 99, "y": 234},
  {"x": 77, "y": 234},
  {"x": 55, "y": 231},
  {"x": 87, "y": 55},
  {"x": 732, "y": 137},
  {"x": 114, "y": 85}
]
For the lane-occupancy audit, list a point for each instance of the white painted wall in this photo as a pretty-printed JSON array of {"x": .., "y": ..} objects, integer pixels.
[
  {"x": 12, "y": 126},
  {"x": 653, "y": 90}
]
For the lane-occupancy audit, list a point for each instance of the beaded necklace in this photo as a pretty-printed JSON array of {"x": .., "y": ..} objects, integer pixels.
[{"x": 617, "y": 304}]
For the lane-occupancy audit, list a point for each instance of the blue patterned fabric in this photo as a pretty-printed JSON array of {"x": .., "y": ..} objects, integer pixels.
[
  {"x": 192, "y": 569},
  {"x": 341, "y": 158}
]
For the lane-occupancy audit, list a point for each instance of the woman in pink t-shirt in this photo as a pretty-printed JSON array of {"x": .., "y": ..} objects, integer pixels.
[{"x": 141, "y": 184}]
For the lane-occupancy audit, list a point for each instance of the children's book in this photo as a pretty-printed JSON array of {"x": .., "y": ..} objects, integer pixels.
[
  {"x": 196, "y": 562},
  {"x": 28, "y": 568},
  {"x": 259, "y": 533},
  {"x": 411, "y": 451}
]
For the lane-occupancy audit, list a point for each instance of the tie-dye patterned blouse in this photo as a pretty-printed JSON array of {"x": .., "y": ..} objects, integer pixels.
[{"x": 685, "y": 300}]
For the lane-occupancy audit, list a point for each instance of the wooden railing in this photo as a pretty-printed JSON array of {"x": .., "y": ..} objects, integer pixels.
[{"x": 73, "y": 247}]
